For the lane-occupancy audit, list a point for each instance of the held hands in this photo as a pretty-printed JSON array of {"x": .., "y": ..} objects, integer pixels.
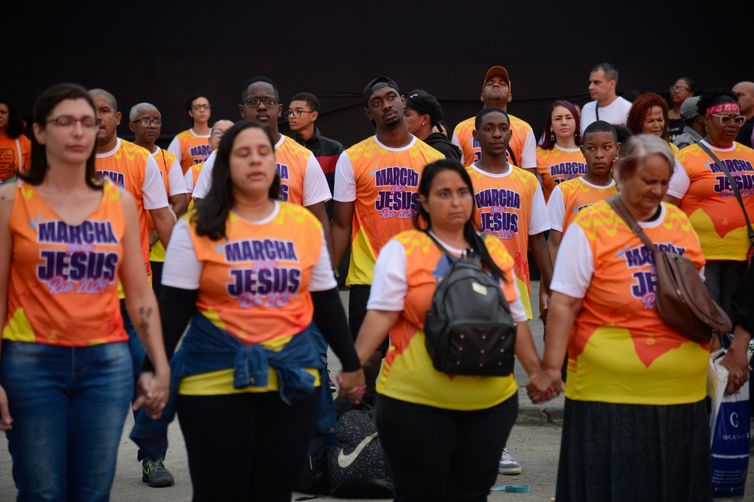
[
  {"x": 6, "y": 421},
  {"x": 544, "y": 384},
  {"x": 154, "y": 391},
  {"x": 738, "y": 368},
  {"x": 351, "y": 384}
]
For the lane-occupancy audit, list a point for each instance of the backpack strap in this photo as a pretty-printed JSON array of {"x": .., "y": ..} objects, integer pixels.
[
  {"x": 734, "y": 187},
  {"x": 469, "y": 256}
]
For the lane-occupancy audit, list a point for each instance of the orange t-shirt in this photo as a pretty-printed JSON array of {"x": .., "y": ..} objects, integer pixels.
[
  {"x": 573, "y": 196},
  {"x": 510, "y": 206},
  {"x": 383, "y": 183},
  {"x": 190, "y": 148},
  {"x": 407, "y": 372},
  {"x": 63, "y": 287},
  {"x": 620, "y": 350},
  {"x": 522, "y": 143},
  {"x": 127, "y": 167},
  {"x": 254, "y": 283},
  {"x": 15, "y": 156},
  {"x": 708, "y": 200},
  {"x": 558, "y": 165}
]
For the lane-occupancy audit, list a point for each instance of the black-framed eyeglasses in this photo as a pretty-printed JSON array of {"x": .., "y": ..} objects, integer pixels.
[
  {"x": 201, "y": 107},
  {"x": 297, "y": 112},
  {"x": 67, "y": 121},
  {"x": 146, "y": 122},
  {"x": 679, "y": 88},
  {"x": 254, "y": 101}
]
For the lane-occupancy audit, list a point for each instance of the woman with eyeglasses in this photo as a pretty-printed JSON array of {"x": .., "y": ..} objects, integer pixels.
[
  {"x": 703, "y": 191},
  {"x": 65, "y": 242},
  {"x": 13, "y": 142},
  {"x": 682, "y": 88},
  {"x": 192, "y": 145}
]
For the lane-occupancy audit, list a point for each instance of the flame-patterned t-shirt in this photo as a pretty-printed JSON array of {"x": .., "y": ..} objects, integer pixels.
[
  {"x": 619, "y": 350},
  {"x": 708, "y": 199},
  {"x": 406, "y": 274},
  {"x": 558, "y": 165},
  {"x": 522, "y": 143}
]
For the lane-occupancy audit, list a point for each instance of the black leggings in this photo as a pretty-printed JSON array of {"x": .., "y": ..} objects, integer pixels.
[
  {"x": 443, "y": 455},
  {"x": 245, "y": 447}
]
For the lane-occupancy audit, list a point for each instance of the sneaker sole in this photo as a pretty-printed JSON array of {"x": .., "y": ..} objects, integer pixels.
[
  {"x": 509, "y": 471},
  {"x": 145, "y": 479}
]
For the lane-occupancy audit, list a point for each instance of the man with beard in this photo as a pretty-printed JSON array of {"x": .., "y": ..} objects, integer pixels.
[
  {"x": 496, "y": 93},
  {"x": 302, "y": 181},
  {"x": 376, "y": 184},
  {"x": 133, "y": 169},
  {"x": 145, "y": 121}
]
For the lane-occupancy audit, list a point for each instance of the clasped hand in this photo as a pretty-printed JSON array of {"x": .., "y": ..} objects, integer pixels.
[
  {"x": 544, "y": 385},
  {"x": 153, "y": 393},
  {"x": 351, "y": 384}
]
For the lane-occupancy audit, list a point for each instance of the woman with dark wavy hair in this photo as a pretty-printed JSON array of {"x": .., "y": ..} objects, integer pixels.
[
  {"x": 254, "y": 272},
  {"x": 559, "y": 157}
]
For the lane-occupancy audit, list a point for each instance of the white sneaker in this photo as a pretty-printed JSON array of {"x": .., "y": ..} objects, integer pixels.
[{"x": 508, "y": 465}]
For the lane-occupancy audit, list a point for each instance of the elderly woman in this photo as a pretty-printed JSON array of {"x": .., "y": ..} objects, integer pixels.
[
  {"x": 704, "y": 192},
  {"x": 635, "y": 424},
  {"x": 649, "y": 115}
]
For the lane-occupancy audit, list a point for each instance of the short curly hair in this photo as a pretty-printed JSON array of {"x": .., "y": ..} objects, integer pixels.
[{"x": 641, "y": 107}]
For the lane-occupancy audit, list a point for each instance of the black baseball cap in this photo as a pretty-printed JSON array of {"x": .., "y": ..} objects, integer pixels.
[
  {"x": 378, "y": 83},
  {"x": 425, "y": 103}
]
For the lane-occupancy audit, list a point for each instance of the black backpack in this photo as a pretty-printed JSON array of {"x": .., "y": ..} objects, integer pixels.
[
  {"x": 356, "y": 465},
  {"x": 469, "y": 329}
]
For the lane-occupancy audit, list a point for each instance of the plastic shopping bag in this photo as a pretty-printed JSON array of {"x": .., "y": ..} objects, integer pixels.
[{"x": 730, "y": 441}]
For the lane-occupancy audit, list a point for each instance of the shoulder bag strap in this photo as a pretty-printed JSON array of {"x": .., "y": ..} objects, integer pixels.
[
  {"x": 619, "y": 207},
  {"x": 733, "y": 186}
]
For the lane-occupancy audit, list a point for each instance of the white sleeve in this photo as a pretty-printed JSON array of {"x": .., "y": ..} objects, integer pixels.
[
  {"x": 175, "y": 148},
  {"x": 529, "y": 152},
  {"x": 389, "y": 286},
  {"x": 345, "y": 180},
  {"x": 539, "y": 221},
  {"x": 204, "y": 182},
  {"x": 322, "y": 277},
  {"x": 176, "y": 180},
  {"x": 587, "y": 115},
  {"x": 556, "y": 209},
  {"x": 574, "y": 265},
  {"x": 182, "y": 269},
  {"x": 153, "y": 188},
  {"x": 679, "y": 182},
  {"x": 517, "y": 307},
  {"x": 315, "y": 183},
  {"x": 455, "y": 141},
  {"x": 188, "y": 180}
]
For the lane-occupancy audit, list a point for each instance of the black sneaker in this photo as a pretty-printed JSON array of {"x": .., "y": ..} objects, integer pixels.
[{"x": 154, "y": 473}]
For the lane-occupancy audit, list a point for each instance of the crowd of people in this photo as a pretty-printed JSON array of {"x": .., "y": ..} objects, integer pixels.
[{"x": 241, "y": 231}]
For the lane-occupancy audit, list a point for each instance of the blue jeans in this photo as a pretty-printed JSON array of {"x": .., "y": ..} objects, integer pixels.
[
  {"x": 69, "y": 406},
  {"x": 326, "y": 417},
  {"x": 153, "y": 448}
]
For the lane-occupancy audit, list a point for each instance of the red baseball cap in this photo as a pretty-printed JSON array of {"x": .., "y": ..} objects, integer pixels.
[{"x": 497, "y": 71}]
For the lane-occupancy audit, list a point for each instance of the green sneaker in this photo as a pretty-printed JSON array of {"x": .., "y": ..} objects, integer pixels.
[{"x": 154, "y": 473}]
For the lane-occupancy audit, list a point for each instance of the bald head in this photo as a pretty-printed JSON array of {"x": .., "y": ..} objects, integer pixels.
[
  {"x": 744, "y": 92},
  {"x": 97, "y": 93}
]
